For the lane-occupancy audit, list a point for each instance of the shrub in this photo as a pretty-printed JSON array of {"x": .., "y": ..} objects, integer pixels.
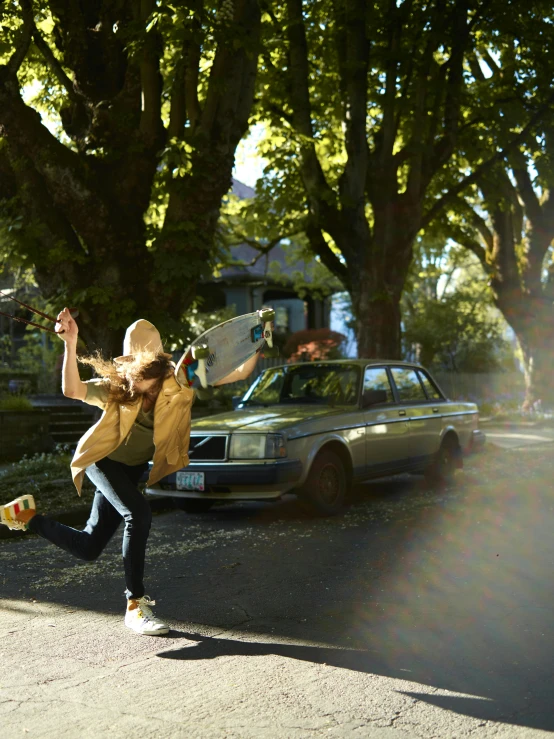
[
  {"x": 15, "y": 403},
  {"x": 314, "y": 344}
]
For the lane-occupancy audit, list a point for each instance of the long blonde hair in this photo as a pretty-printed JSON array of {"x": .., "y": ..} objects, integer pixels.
[{"x": 144, "y": 365}]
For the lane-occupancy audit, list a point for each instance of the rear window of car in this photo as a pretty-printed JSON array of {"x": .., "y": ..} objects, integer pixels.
[
  {"x": 430, "y": 387},
  {"x": 408, "y": 385},
  {"x": 376, "y": 378}
]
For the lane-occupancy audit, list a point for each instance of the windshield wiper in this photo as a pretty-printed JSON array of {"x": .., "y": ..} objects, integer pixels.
[{"x": 303, "y": 400}]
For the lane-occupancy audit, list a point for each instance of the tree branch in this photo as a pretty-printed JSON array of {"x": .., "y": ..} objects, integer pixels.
[
  {"x": 488, "y": 164},
  {"x": 150, "y": 77},
  {"x": 320, "y": 194},
  {"x": 263, "y": 249},
  {"x": 328, "y": 257},
  {"x": 354, "y": 79},
  {"x": 56, "y": 66},
  {"x": 184, "y": 89},
  {"x": 527, "y": 193},
  {"x": 67, "y": 178},
  {"x": 477, "y": 221},
  {"x": 16, "y": 59}
]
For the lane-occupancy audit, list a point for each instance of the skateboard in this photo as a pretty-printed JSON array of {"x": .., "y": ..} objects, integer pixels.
[{"x": 223, "y": 348}]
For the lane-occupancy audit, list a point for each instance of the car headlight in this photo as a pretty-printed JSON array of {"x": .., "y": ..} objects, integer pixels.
[{"x": 257, "y": 446}]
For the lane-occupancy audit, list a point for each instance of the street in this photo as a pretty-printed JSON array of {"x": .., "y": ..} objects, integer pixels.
[{"x": 416, "y": 614}]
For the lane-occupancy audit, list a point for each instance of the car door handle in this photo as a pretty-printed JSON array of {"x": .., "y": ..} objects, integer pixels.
[
  {"x": 401, "y": 413},
  {"x": 435, "y": 410}
]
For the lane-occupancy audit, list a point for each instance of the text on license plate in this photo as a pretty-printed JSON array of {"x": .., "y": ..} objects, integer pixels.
[{"x": 190, "y": 481}]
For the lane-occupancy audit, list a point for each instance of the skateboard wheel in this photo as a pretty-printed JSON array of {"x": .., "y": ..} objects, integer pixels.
[
  {"x": 267, "y": 315},
  {"x": 202, "y": 351},
  {"x": 271, "y": 351}
]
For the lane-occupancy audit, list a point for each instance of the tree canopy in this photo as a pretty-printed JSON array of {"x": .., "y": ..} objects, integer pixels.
[
  {"x": 118, "y": 128},
  {"x": 376, "y": 117}
]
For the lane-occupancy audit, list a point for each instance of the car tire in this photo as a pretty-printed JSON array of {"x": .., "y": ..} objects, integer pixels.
[
  {"x": 442, "y": 471},
  {"x": 192, "y": 505},
  {"x": 324, "y": 492}
]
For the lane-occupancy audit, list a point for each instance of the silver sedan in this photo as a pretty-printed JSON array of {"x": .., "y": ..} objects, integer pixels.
[{"x": 315, "y": 428}]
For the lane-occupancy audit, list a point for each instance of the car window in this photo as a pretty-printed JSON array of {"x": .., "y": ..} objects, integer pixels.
[
  {"x": 376, "y": 378},
  {"x": 313, "y": 383},
  {"x": 430, "y": 387},
  {"x": 266, "y": 390},
  {"x": 408, "y": 385},
  {"x": 306, "y": 383}
]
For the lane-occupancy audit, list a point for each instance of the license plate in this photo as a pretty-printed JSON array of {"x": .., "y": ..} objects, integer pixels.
[{"x": 190, "y": 481}]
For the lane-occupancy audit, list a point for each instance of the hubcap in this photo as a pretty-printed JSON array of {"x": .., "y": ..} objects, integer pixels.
[{"x": 329, "y": 484}]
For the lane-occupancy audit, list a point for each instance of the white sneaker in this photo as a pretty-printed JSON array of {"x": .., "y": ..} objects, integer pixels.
[
  {"x": 140, "y": 618},
  {"x": 9, "y": 513}
]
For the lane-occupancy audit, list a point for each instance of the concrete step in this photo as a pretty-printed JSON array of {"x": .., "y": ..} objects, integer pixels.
[
  {"x": 71, "y": 417},
  {"x": 77, "y": 427},
  {"x": 65, "y": 437}
]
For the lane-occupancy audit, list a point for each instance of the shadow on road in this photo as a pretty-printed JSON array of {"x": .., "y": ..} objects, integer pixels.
[
  {"x": 448, "y": 590},
  {"x": 493, "y": 692}
]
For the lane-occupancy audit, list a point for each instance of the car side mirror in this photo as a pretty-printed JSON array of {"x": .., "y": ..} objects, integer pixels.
[
  {"x": 374, "y": 397},
  {"x": 236, "y": 401}
]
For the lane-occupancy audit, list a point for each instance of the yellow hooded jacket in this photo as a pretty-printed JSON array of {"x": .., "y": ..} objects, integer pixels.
[{"x": 172, "y": 421}]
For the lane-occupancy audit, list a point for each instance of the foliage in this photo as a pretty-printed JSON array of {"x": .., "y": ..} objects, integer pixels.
[
  {"x": 456, "y": 332},
  {"x": 375, "y": 117},
  {"x": 48, "y": 478},
  {"x": 15, "y": 403},
  {"x": 255, "y": 222},
  {"x": 27, "y": 382},
  {"x": 118, "y": 127},
  {"x": 314, "y": 344},
  {"x": 41, "y": 356}
]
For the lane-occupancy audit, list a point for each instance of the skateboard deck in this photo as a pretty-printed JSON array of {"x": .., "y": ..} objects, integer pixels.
[{"x": 225, "y": 347}]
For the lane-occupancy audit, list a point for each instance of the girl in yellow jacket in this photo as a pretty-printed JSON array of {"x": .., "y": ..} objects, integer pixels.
[{"x": 146, "y": 417}]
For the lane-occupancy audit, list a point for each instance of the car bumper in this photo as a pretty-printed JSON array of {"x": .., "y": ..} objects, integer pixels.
[
  {"x": 477, "y": 441},
  {"x": 236, "y": 480}
]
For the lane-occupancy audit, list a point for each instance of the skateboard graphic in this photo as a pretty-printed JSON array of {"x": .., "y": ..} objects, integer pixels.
[{"x": 223, "y": 348}]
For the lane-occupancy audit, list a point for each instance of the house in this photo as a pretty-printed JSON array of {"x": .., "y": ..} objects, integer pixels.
[{"x": 250, "y": 287}]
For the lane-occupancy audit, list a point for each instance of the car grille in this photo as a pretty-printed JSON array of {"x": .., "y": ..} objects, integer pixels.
[{"x": 206, "y": 448}]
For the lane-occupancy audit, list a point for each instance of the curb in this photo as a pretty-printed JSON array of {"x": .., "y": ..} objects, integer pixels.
[{"x": 78, "y": 516}]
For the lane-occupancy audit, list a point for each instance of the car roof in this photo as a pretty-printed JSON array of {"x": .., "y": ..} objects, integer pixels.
[{"x": 359, "y": 361}]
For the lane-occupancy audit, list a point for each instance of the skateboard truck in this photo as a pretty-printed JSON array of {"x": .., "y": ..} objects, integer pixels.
[
  {"x": 267, "y": 316},
  {"x": 201, "y": 352}
]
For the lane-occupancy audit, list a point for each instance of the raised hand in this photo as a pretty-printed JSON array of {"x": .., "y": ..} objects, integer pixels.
[{"x": 66, "y": 327}]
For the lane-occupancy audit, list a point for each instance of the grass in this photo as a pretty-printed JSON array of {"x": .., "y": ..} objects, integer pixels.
[
  {"x": 15, "y": 403},
  {"x": 48, "y": 478}
]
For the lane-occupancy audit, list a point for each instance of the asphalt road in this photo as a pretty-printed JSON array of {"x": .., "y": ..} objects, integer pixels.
[
  {"x": 416, "y": 614},
  {"x": 515, "y": 436}
]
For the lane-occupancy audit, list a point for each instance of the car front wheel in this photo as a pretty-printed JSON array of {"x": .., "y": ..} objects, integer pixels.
[
  {"x": 192, "y": 505},
  {"x": 324, "y": 492}
]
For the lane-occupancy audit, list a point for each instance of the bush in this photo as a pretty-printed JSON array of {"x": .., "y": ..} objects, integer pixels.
[
  {"x": 27, "y": 381},
  {"x": 48, "y": 478},
  {"x": 314, "y": 344},
  {"x": 15, "y": 403}
]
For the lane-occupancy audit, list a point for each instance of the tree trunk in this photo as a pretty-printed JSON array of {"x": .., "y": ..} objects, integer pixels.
[
  {"x": 533, "y": 325},
  {"x": 377, "y": 311}
]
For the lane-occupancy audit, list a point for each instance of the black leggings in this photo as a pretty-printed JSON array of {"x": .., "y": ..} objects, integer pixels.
[{"x": 117, "y": 497}]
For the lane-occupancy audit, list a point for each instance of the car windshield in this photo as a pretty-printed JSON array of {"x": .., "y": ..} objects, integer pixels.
[{"x": 310, "y": 383}]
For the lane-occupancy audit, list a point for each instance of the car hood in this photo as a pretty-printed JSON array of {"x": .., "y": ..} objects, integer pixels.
[{"x": 272, "y": 418}]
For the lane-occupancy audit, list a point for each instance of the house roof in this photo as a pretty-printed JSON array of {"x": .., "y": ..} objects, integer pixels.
[{"x": 247, "y": 254}]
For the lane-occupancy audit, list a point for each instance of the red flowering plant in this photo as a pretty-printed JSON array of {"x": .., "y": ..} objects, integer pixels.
[{"x": 313, "y": 344}]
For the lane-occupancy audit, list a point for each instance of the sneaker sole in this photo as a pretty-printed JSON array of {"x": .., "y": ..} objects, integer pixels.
[
  {"x": 157, "y": 632},
  {"x": 9, "y": 511}
]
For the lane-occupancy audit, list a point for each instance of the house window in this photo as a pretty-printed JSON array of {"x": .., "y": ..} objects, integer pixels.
[{"x": 281, "y": 319}]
